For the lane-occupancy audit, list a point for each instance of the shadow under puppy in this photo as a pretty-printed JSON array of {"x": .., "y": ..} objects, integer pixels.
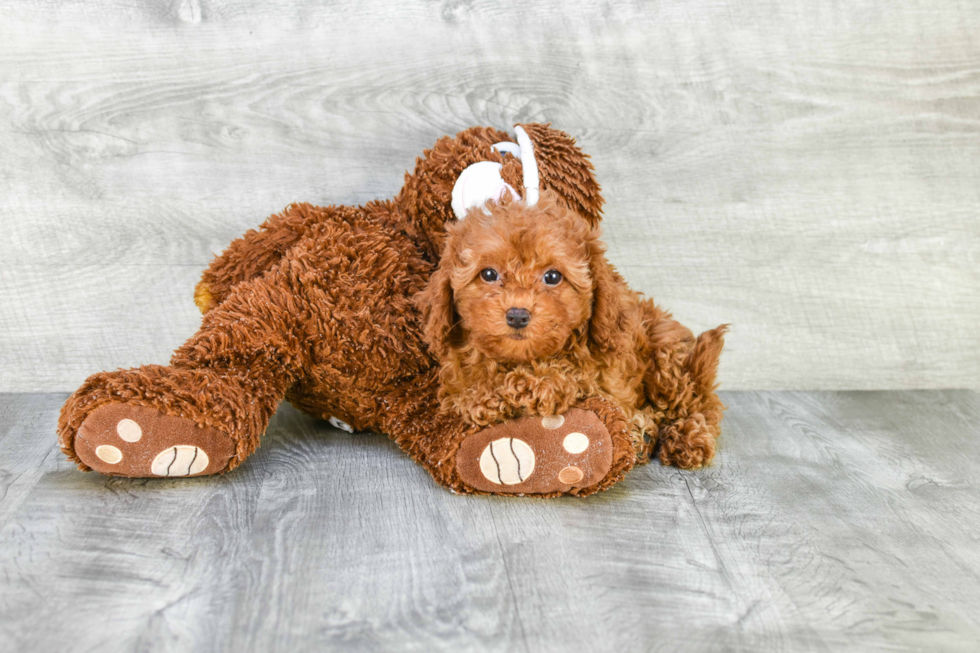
[{"x": 526, "y": 317}]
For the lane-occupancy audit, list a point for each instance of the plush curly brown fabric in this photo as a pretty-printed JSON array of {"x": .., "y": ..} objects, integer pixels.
[
  {"x": 316, "y": 307},
  {"x": 586, "y": 334}
]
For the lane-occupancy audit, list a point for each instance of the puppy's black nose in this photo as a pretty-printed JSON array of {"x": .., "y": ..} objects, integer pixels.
[{"x": 518, "y": 317}]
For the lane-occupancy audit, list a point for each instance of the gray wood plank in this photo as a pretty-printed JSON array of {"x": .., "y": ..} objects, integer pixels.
[
  {"x": 25, "y": 445},
  {"x": 830, "y": 521},
  {"x": 804, "y": 171}
]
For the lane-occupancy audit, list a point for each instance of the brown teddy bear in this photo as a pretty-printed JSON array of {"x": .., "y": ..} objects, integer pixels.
[{"x": 317, "y": 307}]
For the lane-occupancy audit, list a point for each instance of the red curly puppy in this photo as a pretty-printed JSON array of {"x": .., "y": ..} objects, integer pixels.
[{"x": 526, "y": 317}]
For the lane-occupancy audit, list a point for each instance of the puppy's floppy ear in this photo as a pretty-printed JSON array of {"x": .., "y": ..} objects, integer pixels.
[
  {"x": 610, "y": 300},
  {"x": 440, "y": 323}
]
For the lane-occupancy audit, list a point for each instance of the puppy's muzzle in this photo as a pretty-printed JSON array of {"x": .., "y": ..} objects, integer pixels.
[{"x": 518, "y": 318}]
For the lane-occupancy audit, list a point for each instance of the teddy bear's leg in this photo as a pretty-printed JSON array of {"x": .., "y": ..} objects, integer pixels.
[
  {"x": 581, "y": 452},
  {"x": 204, "y": 413},
  {"x": 255, "y": 252},
  {"x": 681, "y": 386}
]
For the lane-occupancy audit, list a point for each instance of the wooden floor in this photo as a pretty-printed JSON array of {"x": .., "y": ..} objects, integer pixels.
[{"x": 831, "y": 522}]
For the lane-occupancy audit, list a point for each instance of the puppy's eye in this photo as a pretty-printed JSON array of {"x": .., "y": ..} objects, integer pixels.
[
  {"x": 552, "y": 277},
  {"x": 489, "y": 275}
]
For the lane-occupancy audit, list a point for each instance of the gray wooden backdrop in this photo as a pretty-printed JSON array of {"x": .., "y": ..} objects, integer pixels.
[{"x": 808, "y": 171}]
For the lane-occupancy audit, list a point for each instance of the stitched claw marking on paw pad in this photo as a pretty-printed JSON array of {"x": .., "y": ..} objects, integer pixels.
[
  {"x": 534, "y": 455},
  {"x": 181, "y": 460},
  {"x": 507, "y": 461},
  {"x": 130, "y": 440}
]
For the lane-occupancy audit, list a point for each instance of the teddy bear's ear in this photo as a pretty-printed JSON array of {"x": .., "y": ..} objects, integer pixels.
[
  {"x": 564, "y": 169},
  {"x": 426, "y": 198}
]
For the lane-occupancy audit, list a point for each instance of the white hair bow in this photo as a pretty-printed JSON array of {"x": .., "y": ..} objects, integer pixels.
[{"x": 481, "y": 182}]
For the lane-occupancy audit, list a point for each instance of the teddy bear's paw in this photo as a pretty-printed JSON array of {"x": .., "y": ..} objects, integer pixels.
[
  {"x": 130, "y": 440},
  {"x": 537, "y": 455}
]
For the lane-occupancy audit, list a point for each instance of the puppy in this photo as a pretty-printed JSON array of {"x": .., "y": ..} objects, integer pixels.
[{"x": 526, "y": 317}]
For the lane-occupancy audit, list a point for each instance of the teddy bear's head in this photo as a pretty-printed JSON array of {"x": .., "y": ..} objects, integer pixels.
[{"x": 562, "y": 168}]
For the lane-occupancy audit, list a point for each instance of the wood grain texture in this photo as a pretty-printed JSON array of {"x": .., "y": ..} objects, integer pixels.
[
  {"x": 806, "y": 171},
  {"x": 830, "y": 522}
]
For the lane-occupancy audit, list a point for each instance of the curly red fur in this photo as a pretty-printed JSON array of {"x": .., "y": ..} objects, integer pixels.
[{"x": 589, "y": 334}]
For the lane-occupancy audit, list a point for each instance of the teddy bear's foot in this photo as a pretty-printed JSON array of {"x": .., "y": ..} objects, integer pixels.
[
  {"x": 538, "y": 455},
  {"x": 130, "y": 440}
]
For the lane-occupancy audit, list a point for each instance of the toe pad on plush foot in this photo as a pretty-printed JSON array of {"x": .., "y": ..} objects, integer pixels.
[
  {"x": 130, "y": 440},
  {"x": 535, "y": 455}
]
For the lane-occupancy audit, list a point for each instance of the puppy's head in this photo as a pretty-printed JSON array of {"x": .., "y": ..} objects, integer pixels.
[{"x": 520, "y": 284}]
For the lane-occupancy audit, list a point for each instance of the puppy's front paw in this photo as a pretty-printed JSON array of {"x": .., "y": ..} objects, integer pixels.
[{"x": 535, "y": 455}]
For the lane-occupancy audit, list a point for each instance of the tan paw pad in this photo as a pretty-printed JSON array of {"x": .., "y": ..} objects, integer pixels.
[
  {"x": 109, "y": 454},
  {"x": 575, "y": 442},
  {"x": 570, "y": 475},
  {"x": 180, "y": 460},
  {"x": 129, "y": 430},
  {"x": 553, "y": 421},
  {"x": 507, "y": 461}
]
